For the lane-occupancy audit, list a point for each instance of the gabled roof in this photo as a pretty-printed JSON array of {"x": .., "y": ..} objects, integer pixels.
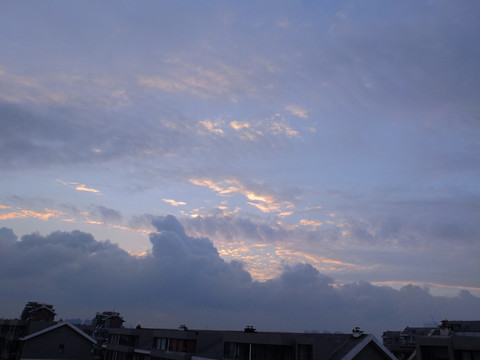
[
  {"x": 56, "y": 326},
  {"x": 355, "y": 347},
  {"x": 43, "y": 307}
]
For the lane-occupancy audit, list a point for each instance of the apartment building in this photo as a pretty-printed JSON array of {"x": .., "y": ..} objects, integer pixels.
[
  {"x": 60, "y": 341},
  {"x": 452, "y": 340},
  {"x": 403, "y": 343},
  {"x": 186, "y": 344}
]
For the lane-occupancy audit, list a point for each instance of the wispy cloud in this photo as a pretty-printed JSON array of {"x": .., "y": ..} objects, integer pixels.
[
  {"x": 239, "y": 125},
  {"x": 279, "y": 126},
  {"x": 79, "y": 187},
  {"x": 222, "y": 81},
  {"x": 211, "y": 126},
  {"x": 313, "y": 223},
  {"x": 266, "y": 202},
  {"x": 45, "y": 214},
  {"x": 174, "y": 202},
  {"x": 297, "y": 110},
  {"x": 247, "y": 131},
  {"x": 59, "y": 88}
]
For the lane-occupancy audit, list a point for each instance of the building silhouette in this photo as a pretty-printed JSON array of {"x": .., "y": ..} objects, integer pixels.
[{"x": 184, "y": 343}]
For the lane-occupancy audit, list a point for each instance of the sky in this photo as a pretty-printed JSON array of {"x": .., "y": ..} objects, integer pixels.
[{"x": 292, "y": 165}]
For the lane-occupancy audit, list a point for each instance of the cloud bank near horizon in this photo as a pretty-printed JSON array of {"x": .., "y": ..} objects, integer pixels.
[{"x": 184, "y": 280}]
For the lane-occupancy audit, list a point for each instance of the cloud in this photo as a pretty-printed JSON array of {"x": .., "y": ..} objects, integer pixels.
[
  {"x": 174, "y": 202},
  {"x": 79, "y": 187},
  {"x": 105, "y": 215},
  {"x": 297, "y": 110},
  {"x": 82, "y": 187},
  {"x": 279, "y": 126},
  {"x": 184, "y": 279},
  {"x": 32, "y": 139},
  {"x": 314, "y": 223},
  {"x": 224, "y": 80},
  {"x": 380, "y": 247},
  {"x": 38, "y": 137},
  {"x": 20, "y": 213},
  {"x": 263, "y": 199},
  {"x": 211, "y": 126},
  {"x": 391, "y": 88},
  {"x": 238, "y": 125},
  {"x": 247, "y": 131},
  {"x": 7, "y": 235}
]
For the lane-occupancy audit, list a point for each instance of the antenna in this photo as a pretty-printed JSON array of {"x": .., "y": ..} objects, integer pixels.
[{"x": 431, "y": 317}]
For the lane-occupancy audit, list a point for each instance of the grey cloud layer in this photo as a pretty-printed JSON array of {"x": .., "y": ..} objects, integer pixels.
[
  {"x": 62, "y": 137},
  {"x": 185, "y": 280}
]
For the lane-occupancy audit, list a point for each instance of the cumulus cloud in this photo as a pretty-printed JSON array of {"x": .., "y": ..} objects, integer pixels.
[
  {"x": 184, "y": 279},
  {"x": 380, "y": 247},
  {"x": 7, "y": 235}
]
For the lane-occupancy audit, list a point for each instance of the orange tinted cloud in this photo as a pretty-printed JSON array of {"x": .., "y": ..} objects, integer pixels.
[
  {"x": 174, "y": 202},
  {"x": 22, "y": 214},
  {"x": 262, "y": 201},
  {"x": 79, "y": 187},
  {"x": 314, "y": 223}
]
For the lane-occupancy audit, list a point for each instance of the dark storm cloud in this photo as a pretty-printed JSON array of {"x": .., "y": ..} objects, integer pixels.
[{"x": 185, "y": 279}]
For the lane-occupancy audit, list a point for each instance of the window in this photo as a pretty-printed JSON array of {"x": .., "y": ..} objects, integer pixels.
[
  {"x": 162, "y": 344},
  {"x": 236, "y": 350},
  {"x": 244, "y": 351},
  {"x": 114, "y": 339},
  {"x": 61, "y": 348},
  {"x": 176, "y": 345}
]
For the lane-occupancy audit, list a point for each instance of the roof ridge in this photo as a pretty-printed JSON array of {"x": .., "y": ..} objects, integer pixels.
[{"x": 56, "y": 326}]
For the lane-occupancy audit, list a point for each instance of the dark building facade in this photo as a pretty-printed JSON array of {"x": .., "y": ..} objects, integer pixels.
[
  {"x": 10, "y": 333},
  {"x": 403, "y": 343},
  {"x": 60, "y": 341},
  {"x": 34, "y": 317},
  {"x": 452, "y": 340},
  {"x": 186, "y": 344}
]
